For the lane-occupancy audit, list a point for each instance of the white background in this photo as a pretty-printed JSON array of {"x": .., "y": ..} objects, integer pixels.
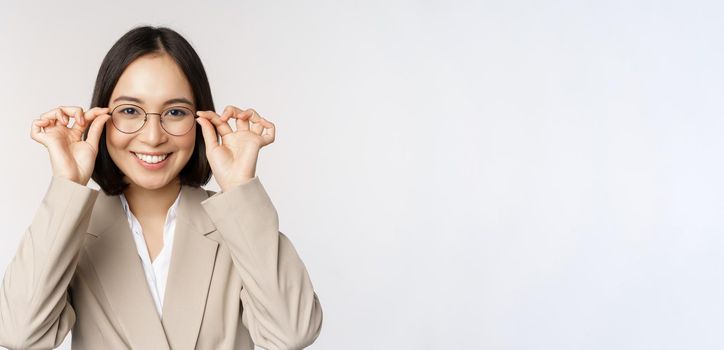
[{"x": 474, "y": 175}]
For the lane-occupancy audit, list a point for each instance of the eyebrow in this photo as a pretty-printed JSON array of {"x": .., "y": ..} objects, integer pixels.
[{"x": 138, "y": 100}]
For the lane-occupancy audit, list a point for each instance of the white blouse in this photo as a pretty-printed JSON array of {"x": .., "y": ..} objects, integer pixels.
[{"x": 156, "y": 271}]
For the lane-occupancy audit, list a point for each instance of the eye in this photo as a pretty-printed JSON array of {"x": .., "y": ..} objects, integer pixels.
[
  {"x": 177, "y": 112},
  {"x": 128, "y": 111}
]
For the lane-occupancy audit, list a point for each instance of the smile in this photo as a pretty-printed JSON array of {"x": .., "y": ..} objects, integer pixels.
[{"x": 151, "y": 159}]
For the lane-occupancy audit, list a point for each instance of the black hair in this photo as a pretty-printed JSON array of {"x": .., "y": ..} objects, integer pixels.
[{"x": 141, "y": 41}]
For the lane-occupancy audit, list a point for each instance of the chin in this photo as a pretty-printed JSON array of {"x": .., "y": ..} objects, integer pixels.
[{"x": 151, "y": 183}]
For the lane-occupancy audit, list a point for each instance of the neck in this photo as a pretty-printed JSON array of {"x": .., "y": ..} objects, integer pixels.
[{"x": 149, "y": 203}]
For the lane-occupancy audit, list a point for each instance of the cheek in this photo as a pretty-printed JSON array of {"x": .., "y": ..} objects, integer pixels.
[
  {"x": 187, "y": 143},
  {"x": 116, "y": 141}
]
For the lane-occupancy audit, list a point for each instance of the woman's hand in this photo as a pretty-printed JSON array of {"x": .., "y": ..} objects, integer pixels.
[
  {"x": 70, "y": 156},
  {"x": 233, "y": 162}
]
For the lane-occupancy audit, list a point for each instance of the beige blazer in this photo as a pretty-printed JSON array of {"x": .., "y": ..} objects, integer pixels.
[{"x": 234, "y": 281}]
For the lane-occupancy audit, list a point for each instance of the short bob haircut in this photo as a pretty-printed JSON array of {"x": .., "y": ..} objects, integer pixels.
[{"x": 140, "y": 41}]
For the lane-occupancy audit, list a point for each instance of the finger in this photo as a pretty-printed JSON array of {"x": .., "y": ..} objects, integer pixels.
[
  {"x": 92, "y": 114},
  {"x": 54, "y": 116},
  {"x": 36, "y": 131},
  {"x": 256, "y": 128},
  {"x": 65, "y": 113},
  {"x": 239, "y": 114},
  {"x": 269, "y": 133},
  {"x": 51, "y": 117},
  {"x": 229, "y": 111},
  {"x": 211, "y": 140},
  {"x": 62, "y": 117},
  {"x": 254, "y": 119},
  {"x": 242, "y": 119},
  {"x": 221, "y": 126},
  {"x": 71, "y": 111},
  {"x": 44, "y": 122},
  {"x": 258, "y": 124},
  {"x": 96, "y": 128}
]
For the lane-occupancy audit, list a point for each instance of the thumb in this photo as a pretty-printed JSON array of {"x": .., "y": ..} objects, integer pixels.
[
  {"x": 207, "y": 129},
  {"x": 95, "y": 130}
]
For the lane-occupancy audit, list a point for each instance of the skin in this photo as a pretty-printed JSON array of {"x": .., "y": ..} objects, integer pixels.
[{"x": 153, "y": 79}]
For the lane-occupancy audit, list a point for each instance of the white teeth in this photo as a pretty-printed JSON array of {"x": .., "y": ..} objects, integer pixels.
[{"x": 151, "y": 159}]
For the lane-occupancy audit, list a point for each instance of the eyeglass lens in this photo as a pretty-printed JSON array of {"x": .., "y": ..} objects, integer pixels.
[{"x": 175, "y": 120}]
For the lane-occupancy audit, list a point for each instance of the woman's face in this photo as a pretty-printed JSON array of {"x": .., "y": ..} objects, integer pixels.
[{"x": 149, "y": 82}]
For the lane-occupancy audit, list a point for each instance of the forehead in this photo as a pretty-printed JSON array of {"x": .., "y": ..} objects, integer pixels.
[{"x": 153, "y": 79}]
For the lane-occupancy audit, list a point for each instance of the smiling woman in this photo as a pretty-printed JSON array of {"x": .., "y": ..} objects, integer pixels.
[
  {"x": 150, "y": 159},
  {"x": 155, "y": 261},
  {"x": 153, "y": 79}
]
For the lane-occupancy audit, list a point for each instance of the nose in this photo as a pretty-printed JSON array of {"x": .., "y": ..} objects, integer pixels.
[{"x": 152, "y": 133}]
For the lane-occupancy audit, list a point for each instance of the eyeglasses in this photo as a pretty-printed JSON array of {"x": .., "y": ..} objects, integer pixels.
[{"x": 130, "y": 118}]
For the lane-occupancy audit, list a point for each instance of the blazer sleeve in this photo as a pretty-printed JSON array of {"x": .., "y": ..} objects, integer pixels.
[
  {"x": 280, "y": 308},
  {"x": 35, "y": 311}
]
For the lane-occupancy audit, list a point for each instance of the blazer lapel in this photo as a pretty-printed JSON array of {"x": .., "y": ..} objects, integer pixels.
[
  {"x": 192, "y": 264},
  {"x": 115, "y": 259}
]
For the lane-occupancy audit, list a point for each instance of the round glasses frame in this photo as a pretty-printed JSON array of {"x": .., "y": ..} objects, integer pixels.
[{"x": 145, "y": 118}]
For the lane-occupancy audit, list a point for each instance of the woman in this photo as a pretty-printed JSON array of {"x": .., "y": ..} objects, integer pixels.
[{"x": 155, "y": 261}]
